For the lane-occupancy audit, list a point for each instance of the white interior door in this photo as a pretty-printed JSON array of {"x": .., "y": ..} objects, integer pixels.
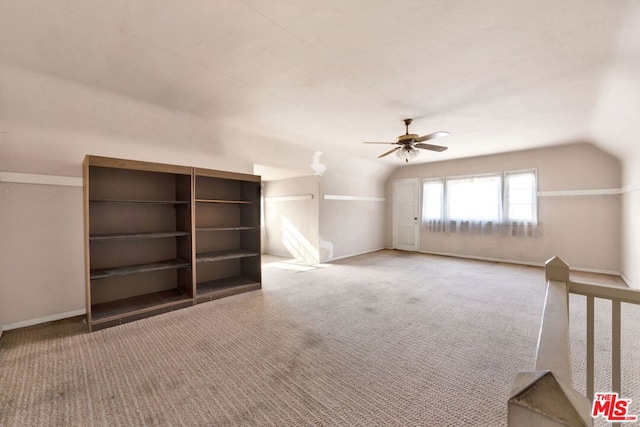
[{"x": 406, "y": 205}]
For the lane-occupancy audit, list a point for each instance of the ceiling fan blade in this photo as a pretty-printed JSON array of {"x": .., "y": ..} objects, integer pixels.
[
  {"x": 389, "y": 152},
  {"x": 380, "y": 143},
  {"x": 430, "y": 147},
  {"x": 432, "y": 136}
]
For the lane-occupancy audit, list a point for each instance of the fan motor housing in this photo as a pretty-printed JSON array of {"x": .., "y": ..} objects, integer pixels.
[{"x": 410, "y": 137}]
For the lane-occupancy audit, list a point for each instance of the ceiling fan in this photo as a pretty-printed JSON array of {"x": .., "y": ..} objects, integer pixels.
[{"x": 408, "y": 144}]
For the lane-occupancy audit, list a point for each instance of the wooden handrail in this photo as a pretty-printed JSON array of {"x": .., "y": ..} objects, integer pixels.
[
  {"x": 552, "y": 377},
  {"x": 613, "y": 293},
  {"x": 617, "y": 296},
  {"x": 546, "y": 397}
]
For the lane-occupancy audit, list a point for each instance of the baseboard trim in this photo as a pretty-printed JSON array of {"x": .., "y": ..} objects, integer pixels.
[
  {"x": 352, "y": 255},
  {"x": 337, "y": 258},
  {"x": 597, "y": 271},
  {"x": 39, "y": 320},
  {"x": 277, "y": 254},
  {"x": 481, "y": 258},
  {"x": 288, "y": 256},
  {"x": 520, "y": 262}
]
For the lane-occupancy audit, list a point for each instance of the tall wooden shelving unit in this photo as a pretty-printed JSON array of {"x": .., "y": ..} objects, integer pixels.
[
  {"x": 227, "y": 226},
  {"x": 145, "y": 229}
]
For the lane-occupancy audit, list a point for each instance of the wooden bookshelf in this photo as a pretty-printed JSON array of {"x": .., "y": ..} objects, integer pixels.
[
  {"x": 162, "y": 237},
  {"x": 227, "y": 224},
  {"x": 138, "y": 239}
]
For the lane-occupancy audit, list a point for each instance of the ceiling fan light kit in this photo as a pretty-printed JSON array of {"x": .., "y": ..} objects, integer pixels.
[
  {"x": 409, "y": 143},
  {"x": 407, "y": 153}
]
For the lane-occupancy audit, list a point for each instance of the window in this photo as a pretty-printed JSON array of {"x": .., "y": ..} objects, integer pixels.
[
  {"x": 433, "y": 200},
  {"x": 475, "y": 198},
  {"x": 520, "y": 196},
  {"x": 433, "y": 204},
  {"x": 498, "y": 203}
]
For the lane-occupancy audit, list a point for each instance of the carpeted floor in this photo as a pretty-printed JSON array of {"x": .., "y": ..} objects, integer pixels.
[{"x": 387, "y": 338}]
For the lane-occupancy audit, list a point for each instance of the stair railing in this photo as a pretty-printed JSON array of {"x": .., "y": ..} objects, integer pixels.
[{"x": 546, "y": 396}]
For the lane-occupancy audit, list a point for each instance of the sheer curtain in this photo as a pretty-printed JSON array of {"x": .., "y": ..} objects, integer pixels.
[
  {"x": 474, "y": 204},
  {"x": 433, "y": 204},
  {"x": 520, "y": 194},
  {"x": 482, "y": 204},
  {"x": 470, "y": 204}
]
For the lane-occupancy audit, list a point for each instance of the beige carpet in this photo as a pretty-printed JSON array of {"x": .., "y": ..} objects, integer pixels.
[{"x": 382, "y": 339}]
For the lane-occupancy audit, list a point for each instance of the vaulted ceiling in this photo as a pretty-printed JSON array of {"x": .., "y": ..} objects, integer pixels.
[{"x": 272, "y": 82}]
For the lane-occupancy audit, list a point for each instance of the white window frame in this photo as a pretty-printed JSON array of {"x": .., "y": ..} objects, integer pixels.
[
  {"x": 505, "y": 194},
  {"x": 432, "y": 224},
  {"x": 439, "y": 180},
  {"x": 504, "y": 225}
]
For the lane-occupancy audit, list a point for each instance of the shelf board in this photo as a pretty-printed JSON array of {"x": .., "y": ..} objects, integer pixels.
[
  {"x": 149, "y": 202},
  {"x": 241, "y": 202},
  {"x": 103, "y": 273},
  {"x": 224, "y": 228},
  {"x": 223, "y": 255},
  {"x": 220, "y": 288},
  {"x": 127, "y": 307},
  {"x": 133, "y": 236}
]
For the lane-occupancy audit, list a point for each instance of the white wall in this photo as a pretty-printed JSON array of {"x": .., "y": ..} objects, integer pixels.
[
  {"x": 584, "y": 230},
  {"x": 349, "y": 216},
  {"x": 631, "y": 223},
  {"x": 42, "y": 252},
  {"x": 356, "y": 224},
  {"x": 615, "y": 125},
  {"x": 291, "y": 214}
]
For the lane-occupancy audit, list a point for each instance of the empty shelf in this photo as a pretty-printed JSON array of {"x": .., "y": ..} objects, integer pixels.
[
  {"x": 139, "y": 304},
  {"x": 132, "y": 236},
  {"x": 223, "y": 201},
  {"x": 224, "y": 228},
  {"x": 157, "y": 202},
  {"x": 222, "y": 255},
  {"x": 103, "y": 273},
  {"x": 224, "y": 287}
]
